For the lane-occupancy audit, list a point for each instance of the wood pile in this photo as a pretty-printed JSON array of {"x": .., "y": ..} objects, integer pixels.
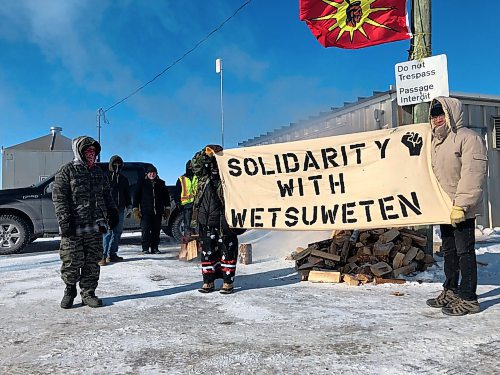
[{"x": 364, "y": 256}]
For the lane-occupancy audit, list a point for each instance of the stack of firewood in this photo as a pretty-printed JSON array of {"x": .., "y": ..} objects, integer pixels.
[{"x": 359, "y": 257}]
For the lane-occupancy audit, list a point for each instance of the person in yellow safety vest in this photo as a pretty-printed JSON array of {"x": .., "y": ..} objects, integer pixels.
[{"x": 186, "y": 187}]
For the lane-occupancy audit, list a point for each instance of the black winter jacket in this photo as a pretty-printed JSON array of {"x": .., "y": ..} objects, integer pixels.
[
  {"x": 151, "y": 196},
  {"x": 120, "y": 190}
]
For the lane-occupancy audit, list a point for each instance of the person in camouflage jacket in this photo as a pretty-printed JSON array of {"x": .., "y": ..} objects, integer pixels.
[
  {"x": 219, "y": 242},
  {"x": 84, "y": 210}
]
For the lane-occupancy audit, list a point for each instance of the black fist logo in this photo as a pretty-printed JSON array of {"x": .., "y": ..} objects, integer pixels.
[{"x": 414, "y": 143}]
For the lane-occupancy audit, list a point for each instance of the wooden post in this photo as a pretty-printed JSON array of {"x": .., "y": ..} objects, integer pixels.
[
  {"x": 245, "y": 253},
  {"x": 421, "y": 47}
]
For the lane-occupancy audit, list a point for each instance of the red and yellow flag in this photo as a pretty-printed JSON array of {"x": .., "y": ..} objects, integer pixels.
[{"x": 355, "y": 23}]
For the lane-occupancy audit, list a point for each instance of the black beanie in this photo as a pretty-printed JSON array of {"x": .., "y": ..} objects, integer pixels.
[
  {"x": 151, "y": 168},
  {"x": 437, "y": 109}
]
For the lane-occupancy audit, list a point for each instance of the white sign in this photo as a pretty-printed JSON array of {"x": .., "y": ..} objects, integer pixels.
[
  {"x": 421, "y": 81},
  {"x": 377, "y": 179}
]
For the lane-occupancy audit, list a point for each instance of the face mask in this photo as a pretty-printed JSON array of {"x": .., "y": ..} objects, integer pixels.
[
  {"x": 441, "y": 131},
  {"x": 89, "y": 154},
  {"x": 117, "y": 167}
]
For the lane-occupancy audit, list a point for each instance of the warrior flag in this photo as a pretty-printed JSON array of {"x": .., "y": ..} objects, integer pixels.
[{"x": 355, "y": 24}]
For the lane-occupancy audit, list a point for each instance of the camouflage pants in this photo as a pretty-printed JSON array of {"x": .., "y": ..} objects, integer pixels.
[{"x": 79, "y": 255}]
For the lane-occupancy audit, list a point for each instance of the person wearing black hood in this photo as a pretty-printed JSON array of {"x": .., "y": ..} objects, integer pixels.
[
  {"x": 84, "y": 210},
  {"x": 120, "y": 191},
  {"x": 186, "y": 187},
  {"x": 151, "y": 203}
]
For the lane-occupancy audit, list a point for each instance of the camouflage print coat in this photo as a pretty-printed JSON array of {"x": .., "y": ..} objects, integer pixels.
[{"x": 81, "y": 195}]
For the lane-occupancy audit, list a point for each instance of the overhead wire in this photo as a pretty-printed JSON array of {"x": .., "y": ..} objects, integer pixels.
[{"x": 181, "y": 57}]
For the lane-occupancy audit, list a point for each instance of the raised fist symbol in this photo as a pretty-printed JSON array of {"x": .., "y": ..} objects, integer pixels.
[{"x": 414, "y": 143}]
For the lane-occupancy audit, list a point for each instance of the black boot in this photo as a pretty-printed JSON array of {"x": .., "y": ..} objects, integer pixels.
[
  {"x": 90, "y": 299},
  {"x": 69, "y": 296}
]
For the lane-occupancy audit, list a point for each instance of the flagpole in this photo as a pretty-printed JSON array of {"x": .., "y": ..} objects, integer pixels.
[{"x": 218, "y": 69}]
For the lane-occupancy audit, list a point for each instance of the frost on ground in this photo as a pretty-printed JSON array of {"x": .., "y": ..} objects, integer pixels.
[{"x": 155, "y": 321}]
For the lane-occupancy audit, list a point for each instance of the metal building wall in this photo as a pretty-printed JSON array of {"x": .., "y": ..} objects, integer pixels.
[
  {"x": 23, "y": 168},
  {"x": 366, "y": 115}
]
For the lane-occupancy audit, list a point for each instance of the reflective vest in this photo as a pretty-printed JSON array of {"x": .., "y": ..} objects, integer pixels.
[{"x": 189, "y": 187}]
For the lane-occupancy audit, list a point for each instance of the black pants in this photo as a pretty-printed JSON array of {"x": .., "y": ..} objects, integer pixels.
[
  {"x": 460, "y": 258},
  {"x": 219, "y": 254},
  {"x": 187, "y": 215},
  {"x": 150, "y": 226}
]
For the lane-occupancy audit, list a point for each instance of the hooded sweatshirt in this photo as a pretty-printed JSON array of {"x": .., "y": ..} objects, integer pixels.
[
  {"x": 120, "y": 186},
  {"x": 81, "y": 195},
  {"x": 459, "y": 159}
]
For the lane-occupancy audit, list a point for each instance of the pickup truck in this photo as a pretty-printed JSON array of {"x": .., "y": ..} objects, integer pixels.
[{"x": 28, "y": 213}]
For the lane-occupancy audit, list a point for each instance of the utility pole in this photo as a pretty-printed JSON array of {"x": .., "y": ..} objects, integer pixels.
[
  {"x": 100, "y": 112},
  {"x": 218, "y": 69},
  {"x": 420, "y": 47}
]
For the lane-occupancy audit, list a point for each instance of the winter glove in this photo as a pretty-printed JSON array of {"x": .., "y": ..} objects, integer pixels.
[
  {"x": 457, "y": 215},
  {"x": 210, "y": 150},
  {"x": 136, "y": 213},
  {"x": 113, "y": 218}
]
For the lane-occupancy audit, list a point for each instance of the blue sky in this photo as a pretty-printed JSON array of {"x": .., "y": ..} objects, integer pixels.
[{"x": 62, "y": 60}]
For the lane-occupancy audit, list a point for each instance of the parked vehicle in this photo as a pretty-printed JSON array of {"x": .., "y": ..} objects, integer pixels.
[{"x": 28, "y": 213}]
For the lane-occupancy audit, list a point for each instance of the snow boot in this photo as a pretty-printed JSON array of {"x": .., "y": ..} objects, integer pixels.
[
  {"x": 446, "y": 297},
  {"x": 207, "y": 288},
  {"x": 227, "y": 288},
  {"x": 460, "y": 307},
  {"x": 69, "y": 296},
  {"x": 90, "y": 299},
  {"x": 155, "y": 251},
  {"x": 102, "y": 262}
]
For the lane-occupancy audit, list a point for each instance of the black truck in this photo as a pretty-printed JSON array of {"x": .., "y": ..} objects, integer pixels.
[{"x": 28, "y": 213}]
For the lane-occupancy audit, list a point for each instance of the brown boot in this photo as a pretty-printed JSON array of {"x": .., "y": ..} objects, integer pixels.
[
  {"x": 207, "y": 288},
  {"x": 460, "y": 307},
  {"x": 447, "y": 296},
  {"x": 102, "y": 262},
  {"x": 227, "y": 288}
]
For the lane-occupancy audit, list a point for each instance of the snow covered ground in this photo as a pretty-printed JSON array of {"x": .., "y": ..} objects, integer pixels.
[{"x": 154, "y": 320}]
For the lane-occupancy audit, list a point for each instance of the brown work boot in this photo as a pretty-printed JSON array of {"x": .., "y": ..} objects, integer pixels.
[
  {"x": 102, "y": 262},
  {"x": 207, "y": 288},
  {"x": 227, "y": 288},
  {"x": 460, "y": 307},
  {"x": 114, "y": 258},
  {"x": 446, "y": 297}
]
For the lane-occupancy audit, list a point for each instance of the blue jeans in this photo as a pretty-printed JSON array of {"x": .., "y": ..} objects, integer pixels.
[{"x": 111, "y": 240}]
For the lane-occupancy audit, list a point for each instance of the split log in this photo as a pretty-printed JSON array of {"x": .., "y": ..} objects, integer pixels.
[
  {"x": 404, "y": 270},
  {"x": 183, "y": 252},
  {"x": 192, "y": 250},
  {"x": 245, "y": 253},
  {"x": 380, "y": 269},
  {"x": 381, "y": 280},
  {"x": 389, "y": 236},
  {"x": 397, "y": 261},
  {"x": 382, "y": 249},
  {"x": 418, "y": 238},
  {"x": 410, "y": 255},
  {"x": 325, "y": 255},
  {"x": 420, "y": 255},
  {"x": 351, "y": 280},
  {"x": 324, "y": 276},
  {"x": 301, "y": 253}
]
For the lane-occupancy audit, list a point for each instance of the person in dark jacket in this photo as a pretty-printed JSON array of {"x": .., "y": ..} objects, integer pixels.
[
  {"x": 460, "y": 162},
  {"x": 151, "y": 202},
  {"x": 120, "y": 191},
  {"x": 84, "y": 210},
  {"x": 219, "y": 242},
  {"x": 185, "y": 192}
]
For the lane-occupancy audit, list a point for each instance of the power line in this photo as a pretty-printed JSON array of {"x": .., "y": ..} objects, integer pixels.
[{"x": 180, "y": 58}]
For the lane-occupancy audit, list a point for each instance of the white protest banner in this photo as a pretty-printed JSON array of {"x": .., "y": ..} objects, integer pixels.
[
  {"x": 364, "y": 180},
  {"x": 420, "y": 81}
]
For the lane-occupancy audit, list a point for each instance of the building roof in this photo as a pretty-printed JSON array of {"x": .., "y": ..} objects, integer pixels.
[
  {"x": 361, "y": 100},
  {"x": 62, "y": 143}
]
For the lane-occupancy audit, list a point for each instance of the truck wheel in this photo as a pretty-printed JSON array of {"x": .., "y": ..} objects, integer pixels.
[
  {"x": 14, "y": 234},
  {"x": 177, "y": 228}
]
